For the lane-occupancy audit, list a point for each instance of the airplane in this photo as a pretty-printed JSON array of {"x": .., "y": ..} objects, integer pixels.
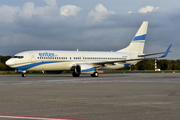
[{"x": 83, "y": 62}]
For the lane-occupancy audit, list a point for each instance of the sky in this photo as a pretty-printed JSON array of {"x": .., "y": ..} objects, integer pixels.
[{"x": 88, "y": 25}]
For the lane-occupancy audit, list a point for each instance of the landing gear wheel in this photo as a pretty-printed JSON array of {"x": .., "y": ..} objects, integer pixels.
[
  {"x": 23, "y": 74},
  {"x": 74, "y": 74},
  {"x": 95, "y": 74}
]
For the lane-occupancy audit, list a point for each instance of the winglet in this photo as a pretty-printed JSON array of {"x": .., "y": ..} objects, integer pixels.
[{"x": 166, "y": 53}]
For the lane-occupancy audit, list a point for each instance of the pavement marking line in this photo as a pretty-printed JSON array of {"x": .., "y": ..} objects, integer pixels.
[{"x": 35, "y": 117}]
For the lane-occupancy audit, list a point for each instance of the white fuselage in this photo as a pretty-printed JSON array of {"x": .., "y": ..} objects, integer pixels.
[{"x": 50, "y": 60}]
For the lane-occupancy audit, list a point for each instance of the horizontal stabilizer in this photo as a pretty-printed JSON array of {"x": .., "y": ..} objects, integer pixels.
[
  {"x": 166, "y": 53},
  {"x": 152, "y": 54}
]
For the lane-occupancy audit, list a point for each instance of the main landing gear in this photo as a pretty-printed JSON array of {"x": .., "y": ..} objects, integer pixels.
[
  {"x": 23, "y": 74},
  {"x": 95, "y": 74},
  {"x": 74, "y": 74}
]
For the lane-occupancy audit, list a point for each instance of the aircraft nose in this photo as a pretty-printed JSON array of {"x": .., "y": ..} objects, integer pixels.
[{"x": 9, "y": 62}]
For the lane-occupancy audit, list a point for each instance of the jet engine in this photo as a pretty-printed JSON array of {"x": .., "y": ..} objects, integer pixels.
[{"x": 84, "y": 69}]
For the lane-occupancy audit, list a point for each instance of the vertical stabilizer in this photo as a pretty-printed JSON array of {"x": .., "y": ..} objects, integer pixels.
[{"x": 137, "y": 44}]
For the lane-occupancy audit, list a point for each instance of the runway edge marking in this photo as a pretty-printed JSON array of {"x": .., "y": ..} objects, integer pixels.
[{"x": 36, "y": 117}]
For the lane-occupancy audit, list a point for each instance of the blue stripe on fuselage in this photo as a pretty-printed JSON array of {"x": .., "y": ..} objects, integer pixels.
[{"x": 26, "y": 67}]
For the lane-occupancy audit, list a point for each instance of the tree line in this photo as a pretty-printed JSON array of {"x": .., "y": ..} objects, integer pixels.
[
  {"x": 149, "y": 64},
  {"x": 3, "y": 66}
]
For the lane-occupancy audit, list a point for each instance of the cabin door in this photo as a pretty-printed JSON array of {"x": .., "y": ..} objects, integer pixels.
[
  {"x": 82, "y": 58},
  {"x": 33, "y": 60}
]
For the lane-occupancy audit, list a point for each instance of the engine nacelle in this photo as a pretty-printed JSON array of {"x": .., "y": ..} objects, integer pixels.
[
  {"x": 84, "y": 69},
  {"x": 53, "y": 72}
]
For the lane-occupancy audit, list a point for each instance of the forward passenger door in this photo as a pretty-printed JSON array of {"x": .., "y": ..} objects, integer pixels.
[{"x": 33, "y": 59}]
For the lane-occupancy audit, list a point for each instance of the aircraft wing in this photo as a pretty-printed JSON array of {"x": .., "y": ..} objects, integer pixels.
[{"x": 125, "y": 60}]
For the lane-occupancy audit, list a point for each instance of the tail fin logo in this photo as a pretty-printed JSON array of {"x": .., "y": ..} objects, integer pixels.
[{"x": 137, "y": 38}]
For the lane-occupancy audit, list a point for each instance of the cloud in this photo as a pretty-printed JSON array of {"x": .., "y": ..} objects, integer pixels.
[
  {"x": 69, "y": 10},
  {"x": 51, "y": 3},
  {"x": 27, "y": 10},
  {"x": 130, "y": 12},
  {"x": 99, "y": 13},
  {"x": 51, "y": 10},
  {"x": 8, "y": 13},
  {"x": 145, "y": 10},
  {"x": 148, "y": 9}
]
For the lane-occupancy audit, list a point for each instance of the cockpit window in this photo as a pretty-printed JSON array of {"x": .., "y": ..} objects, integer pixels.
[{"x": 20, "y": 57}]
